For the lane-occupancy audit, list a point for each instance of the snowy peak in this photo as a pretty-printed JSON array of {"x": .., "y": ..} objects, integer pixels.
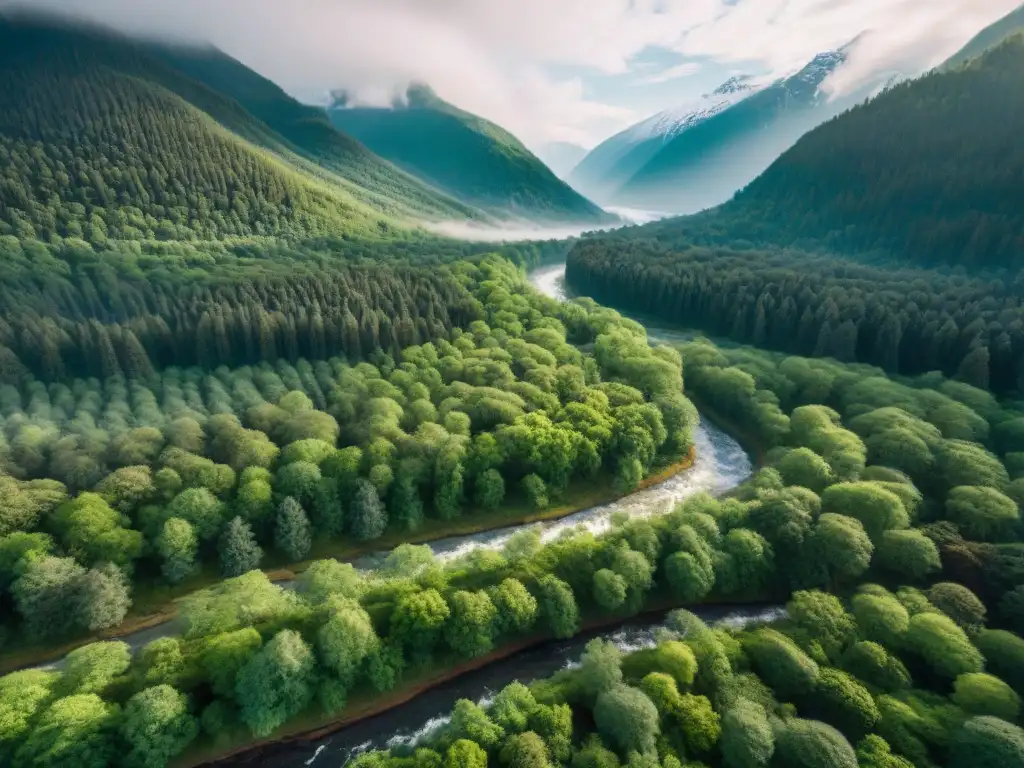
[
  {"x": 670, "y": 123},
  {"x": 674, "y": 121},
  {"x": 819, "y": 68},
  {"x": 735, "y": 84}
]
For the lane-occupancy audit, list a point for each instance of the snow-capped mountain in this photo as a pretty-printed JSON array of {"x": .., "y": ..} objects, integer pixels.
[
  {"x": 673, "y": 121},
  {"x": 727, "y": 137}
]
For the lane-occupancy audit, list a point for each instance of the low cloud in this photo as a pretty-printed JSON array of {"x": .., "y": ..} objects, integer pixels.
[{"x": 529, "y": 64}]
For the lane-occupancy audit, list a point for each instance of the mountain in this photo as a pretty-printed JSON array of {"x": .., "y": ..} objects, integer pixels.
[
  {"x": 103, "y": 137},
  {"x": 465, "y": 155},
  {"x": 931, "y": 170},
  {"x": 989, "y": 37},
  {"x": 307, "y": 130},
  {"x": 613, "y": 162},
  {"x": 699, "y": 155},
  {"x": 561, "y": 157}
]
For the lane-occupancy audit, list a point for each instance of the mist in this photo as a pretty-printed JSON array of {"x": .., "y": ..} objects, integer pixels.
[{"x": 532, "y": 66}]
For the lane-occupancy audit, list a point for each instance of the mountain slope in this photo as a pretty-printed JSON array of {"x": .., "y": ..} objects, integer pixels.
[
  {"x": 932, "y": 170},
  {"x": 613, "y": 162},
  {"x": 467, "y": 156},
  {"x": 100, "y": 138},
  {"x": 307, "y": 130},
  {"x": 706, "y": 162},
  {"x": 988, "y": 38}
]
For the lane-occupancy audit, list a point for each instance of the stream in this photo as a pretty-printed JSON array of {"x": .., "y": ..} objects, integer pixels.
[
  {"x": 409, "y": 724},
  {"x": 721, "y": 464}
]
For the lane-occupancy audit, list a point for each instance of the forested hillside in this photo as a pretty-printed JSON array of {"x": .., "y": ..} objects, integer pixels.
[
  {"x": 878, "y": 492},
  {"x": 931, "y": 170},
  {"x": 308, "y": 131},
  {"x": 906, "y": 321},
  {"x": 989, "y": 37},
  {"x": 469, "y": 157},
  {"x": 102, "y": 140}
]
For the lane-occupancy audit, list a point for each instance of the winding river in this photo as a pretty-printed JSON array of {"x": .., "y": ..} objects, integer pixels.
[{"x": 721, "y": 465}]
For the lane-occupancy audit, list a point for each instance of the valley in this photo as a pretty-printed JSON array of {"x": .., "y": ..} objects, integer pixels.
[{"x": 342, "y": 430}]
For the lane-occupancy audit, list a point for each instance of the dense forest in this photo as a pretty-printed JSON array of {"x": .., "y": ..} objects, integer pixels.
[
  {"x": 907, "y": 321},
  {"x": 883, "y": 680},
  {"x": 102, "y": 138},
  {"x": 928, "y": 171},
  {"x": 869, "y": 481},
  {"x": 225, "y": 349},
  {"x": 469, "y": 157},
  {"x": 152, "y": 473}
]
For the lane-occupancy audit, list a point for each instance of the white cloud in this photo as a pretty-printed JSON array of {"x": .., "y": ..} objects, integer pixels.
[
  {"x": 672, "y": 73},
  {"x": 506, "y": 60}
]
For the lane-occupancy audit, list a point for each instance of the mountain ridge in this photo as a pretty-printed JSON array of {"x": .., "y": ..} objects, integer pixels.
[
  {"x": 463, "y": 154},
  {"x": 724, "y": 138},
  {"x": 182, "y": 160}
]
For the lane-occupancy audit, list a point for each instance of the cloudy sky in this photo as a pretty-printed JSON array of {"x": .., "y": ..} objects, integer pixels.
[{"x": 552, "y": 70}]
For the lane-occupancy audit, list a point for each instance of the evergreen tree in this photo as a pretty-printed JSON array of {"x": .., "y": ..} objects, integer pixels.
[
  {"x": 239, "y": 552},
  {"x": 292, "y": 532}
]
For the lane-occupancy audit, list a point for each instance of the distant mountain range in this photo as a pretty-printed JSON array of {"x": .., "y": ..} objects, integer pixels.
[
  {"x": 468, "y": 157},
  {"x": 698, "y": 155},
  {"x": 929, "y": 171}
]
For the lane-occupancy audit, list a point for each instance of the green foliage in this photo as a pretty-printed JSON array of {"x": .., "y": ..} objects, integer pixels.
[
  {"x": 157, "y": 726},
  {"x": 489, "y": 489},
  {"x": 345, "y": 641},
  {"x": 845, "y": 703},
  {"x": 76, "y": 730},
  {"x": 293, "y": 533},
  {"x": 225, "y": 654},
  {"x": 880, "y": 617},
  {"x": 780, "y": 663},
  {"x": 276, "y": 682},
  {"x": 747, "y": 737},
  {"x": 22, "y": 695},
  {"x": 536, "y": 491},
  {"x": 1004, "y": 655},
  {"x": 470, "y": 630},
  {"x": 910, "y": 555},
  {"x": 960, "y": 604},
  {"x": 239, "y": 552},
  {"x": 465, "y": 754},
  {"x": 628, "y": 719},
  {"x": 810, "y": 744},
  {"x": 600, "y": 668},
  {"x": 91, "y": 668},
  {"x": 943, "y": 645},
  {"x": 874, "y": 752},
  {"x": 875, "y": 666},
  {"x": 987, "y": 742},
  {"x": 982, "y": 513},
  {"x": 516, "y": 607},
  {"x": 417, "y": 621},
  {"x": 981, "y": 694},
  {"x": 178, "y": 547},
  {"x": 558, "y": 606},
  {"x": 368, "y": 517}
]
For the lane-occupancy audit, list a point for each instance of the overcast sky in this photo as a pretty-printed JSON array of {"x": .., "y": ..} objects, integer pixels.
[{"x": 552, "y": 70}]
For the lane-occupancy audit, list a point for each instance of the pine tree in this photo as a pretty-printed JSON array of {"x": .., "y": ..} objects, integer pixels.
[
  {"x": 369, "y": 518},
  {"x": 292, "y": 532},
  {"x": 239, "y": 551}
]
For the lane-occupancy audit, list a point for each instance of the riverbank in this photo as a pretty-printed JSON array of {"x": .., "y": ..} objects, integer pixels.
[
  {"x": 303, "y": 731},
  {"x": 150, "y": 612}
]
